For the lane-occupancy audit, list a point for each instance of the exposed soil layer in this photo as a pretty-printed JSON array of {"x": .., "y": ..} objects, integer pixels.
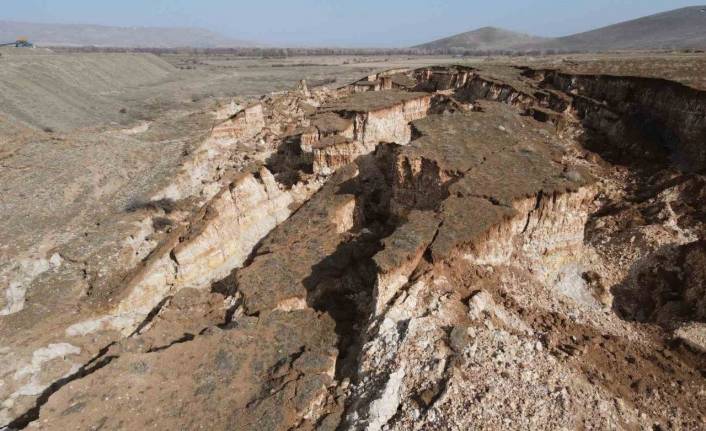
[{"x": 443, "y": 248}]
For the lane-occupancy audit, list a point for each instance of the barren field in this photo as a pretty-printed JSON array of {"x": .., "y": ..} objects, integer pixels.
[{"x": 209, "y": 242}]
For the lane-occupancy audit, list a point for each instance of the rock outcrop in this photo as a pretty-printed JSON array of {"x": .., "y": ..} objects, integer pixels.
[{"x": 433, "y": 249}]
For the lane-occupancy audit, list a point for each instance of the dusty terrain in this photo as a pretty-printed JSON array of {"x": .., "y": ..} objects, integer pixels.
[{"x": 510, "y": 244}]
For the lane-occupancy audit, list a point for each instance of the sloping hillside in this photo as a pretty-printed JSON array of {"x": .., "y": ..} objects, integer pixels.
[
  {"x": 62, "y": 92},
  {"x": 676, "y": 29},
  {"x": 123, "y": 37},
  {"x": 486, "y": 38},
  {"x": 680, "y": 28}
]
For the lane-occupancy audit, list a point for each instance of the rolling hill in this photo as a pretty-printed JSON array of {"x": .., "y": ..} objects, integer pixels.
[
  {"x": 118, "y": 37},
  {"x": 486, "y": 38},
  {"x": 677, "y": 29},
  {"x": 680, "y": 28}
]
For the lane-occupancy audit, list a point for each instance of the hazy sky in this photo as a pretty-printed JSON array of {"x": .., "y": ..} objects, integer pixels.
[{"x": 342, "y": 23}]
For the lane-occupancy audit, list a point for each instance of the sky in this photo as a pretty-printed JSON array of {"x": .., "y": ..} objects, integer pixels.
[{"x": 357, "y": 23}]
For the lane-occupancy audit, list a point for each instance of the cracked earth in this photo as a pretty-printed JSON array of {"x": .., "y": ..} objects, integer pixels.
[{"x": 492, "y": 247}]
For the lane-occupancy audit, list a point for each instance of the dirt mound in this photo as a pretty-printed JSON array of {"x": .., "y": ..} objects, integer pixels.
[{"x": 62, "y": 92}]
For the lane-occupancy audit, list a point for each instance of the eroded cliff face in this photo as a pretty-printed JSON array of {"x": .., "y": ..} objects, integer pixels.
[
  {"x": 433, "y": 249},
  {"x": 666, "y": 118}
]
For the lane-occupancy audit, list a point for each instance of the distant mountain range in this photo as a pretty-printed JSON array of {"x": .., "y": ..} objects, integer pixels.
[
  {"x": 118, "y": 37},
  {"x": 676, "y": 29}
]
